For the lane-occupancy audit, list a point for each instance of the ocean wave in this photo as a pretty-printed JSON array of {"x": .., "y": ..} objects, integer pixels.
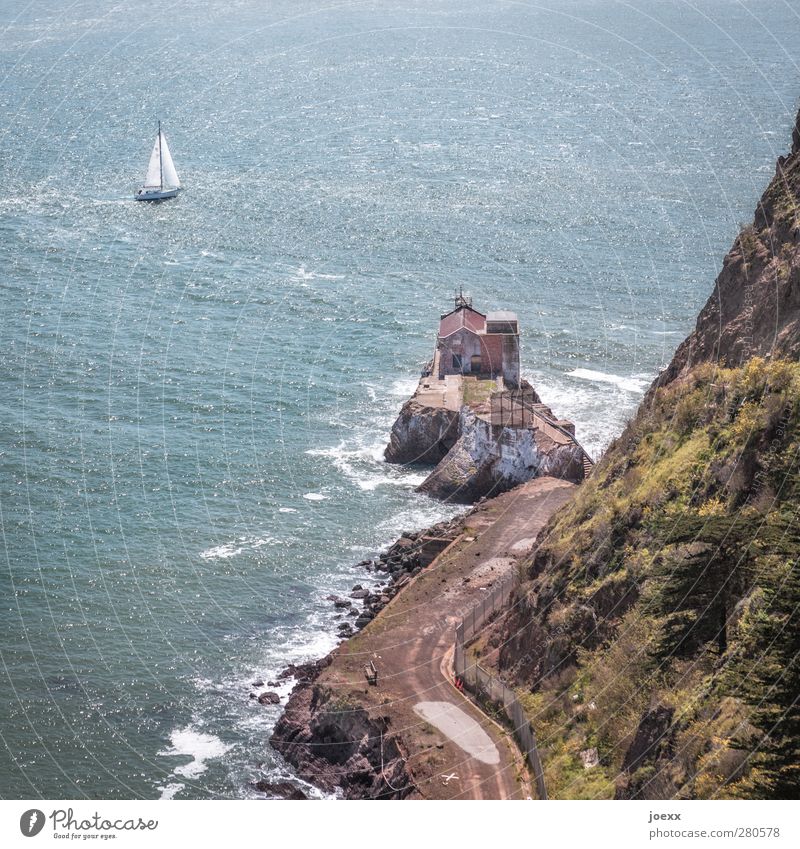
[
  {"x": 301, "y": 274},
  {"x": 197, "y": 745},
  {"x": 361, "y": 462},
  {"x": 629, "y": 384},
  {"x": 404, "y": 387},
  {"x": 227, "y": 550},
  {"x": 169, "y": 791}
]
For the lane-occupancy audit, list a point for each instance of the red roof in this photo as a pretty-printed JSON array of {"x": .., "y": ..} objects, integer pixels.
[{"x": 462, "y": 317}]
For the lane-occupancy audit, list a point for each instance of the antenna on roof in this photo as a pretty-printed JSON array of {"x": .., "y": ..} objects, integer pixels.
[{"x": 462, "y": 300}]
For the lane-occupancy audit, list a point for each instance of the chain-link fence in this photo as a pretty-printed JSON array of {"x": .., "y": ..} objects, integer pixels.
[{"x": 488, "y": 688}]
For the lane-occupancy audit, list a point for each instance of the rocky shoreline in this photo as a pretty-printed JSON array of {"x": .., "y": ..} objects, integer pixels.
[
  {"x": 357, "y": 740},
  {"x": 342, "y": 746},
  {"x": 309, "y": 723}
]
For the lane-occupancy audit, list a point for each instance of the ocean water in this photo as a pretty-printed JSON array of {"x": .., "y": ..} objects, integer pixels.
[{"x": 195, "y": 395}]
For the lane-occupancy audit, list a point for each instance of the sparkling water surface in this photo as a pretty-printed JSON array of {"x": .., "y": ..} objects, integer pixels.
[{"x": 195, "y": 395}]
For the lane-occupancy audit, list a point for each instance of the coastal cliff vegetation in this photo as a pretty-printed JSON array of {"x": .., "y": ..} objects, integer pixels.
[{"x": 657, "y": 619}]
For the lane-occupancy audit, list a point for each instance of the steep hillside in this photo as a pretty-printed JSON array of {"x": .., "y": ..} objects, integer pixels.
[{"x": 658, "y": 619}]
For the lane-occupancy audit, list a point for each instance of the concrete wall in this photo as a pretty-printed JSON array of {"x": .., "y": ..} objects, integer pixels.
[{"x": 492, "y": 354}]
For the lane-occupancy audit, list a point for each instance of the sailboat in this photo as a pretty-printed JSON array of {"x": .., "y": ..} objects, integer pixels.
[{"x": 161, "y": 181}]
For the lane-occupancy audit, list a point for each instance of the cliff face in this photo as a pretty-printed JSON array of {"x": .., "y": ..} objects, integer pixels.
[
  {"x": 421, "y": 434},
  {"x": 488, "y": 460},
  {"x": 657, "y": 620},
  {"x": 754, "y": 309},
  {"x": 473, "y": 458}
]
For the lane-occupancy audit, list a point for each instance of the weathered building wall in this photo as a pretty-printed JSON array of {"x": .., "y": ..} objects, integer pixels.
[
  {"x": 492, "y": 354},
  {"x": 511, "y": 359},
  {"x": 463, "y": 344}
]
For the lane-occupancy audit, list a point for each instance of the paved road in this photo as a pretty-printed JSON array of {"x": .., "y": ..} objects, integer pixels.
[{"x": 447, "y": 750}]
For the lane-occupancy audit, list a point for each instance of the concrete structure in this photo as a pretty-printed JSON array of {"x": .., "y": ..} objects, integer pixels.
[{"x": 470, "y": 342}]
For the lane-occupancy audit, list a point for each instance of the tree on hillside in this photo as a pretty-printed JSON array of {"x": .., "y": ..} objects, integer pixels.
[
  {"x": 764, "y": 670},
  {"x": 705, "y": 570}
]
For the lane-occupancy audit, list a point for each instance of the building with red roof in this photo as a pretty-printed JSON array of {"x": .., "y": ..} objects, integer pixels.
[{"x": 483, "y": 345}]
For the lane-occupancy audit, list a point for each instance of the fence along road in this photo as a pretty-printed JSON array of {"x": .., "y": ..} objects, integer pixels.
[{"x": 488, "y": 688}]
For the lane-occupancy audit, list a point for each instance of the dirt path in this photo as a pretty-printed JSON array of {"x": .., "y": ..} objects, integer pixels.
[{"x": 452, "y": 750}]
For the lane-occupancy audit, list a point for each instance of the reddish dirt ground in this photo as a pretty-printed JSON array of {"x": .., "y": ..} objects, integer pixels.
[{"x": 411, "y": 643}]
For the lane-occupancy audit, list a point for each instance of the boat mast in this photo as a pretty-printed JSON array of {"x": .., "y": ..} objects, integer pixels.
[{"x": 160, "y": 158}]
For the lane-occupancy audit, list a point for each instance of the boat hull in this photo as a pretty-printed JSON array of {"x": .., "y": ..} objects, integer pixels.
[{"x": 156, "y": 194}]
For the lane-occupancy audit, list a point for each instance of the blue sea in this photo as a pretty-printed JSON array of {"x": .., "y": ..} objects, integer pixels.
[{"x": 195, "y": 395}]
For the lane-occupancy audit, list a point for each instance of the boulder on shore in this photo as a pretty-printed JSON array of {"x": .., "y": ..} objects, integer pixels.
[{"x": 279, "y": 789}]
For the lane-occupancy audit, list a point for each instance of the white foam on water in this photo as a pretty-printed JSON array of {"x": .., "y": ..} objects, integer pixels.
[
  {"x": 344, "y": 451},
  {"x": 230, "y": 549},
  {"x": 586, "y": 403},
  {"x": 419, "y": 516},
  {"x": 314, "y": 496},
  {"x": 200, "y": 747},
  {"x": 362, "y": 463},
  {"x": 169, "y": 791},
  {"x": 301, "y": 274},
  {"x": 221, "y": 552},
  {"x": 629, "y": 384},
  {"x": 404, "y": 387},
  {"x": 287, "y": 510}
]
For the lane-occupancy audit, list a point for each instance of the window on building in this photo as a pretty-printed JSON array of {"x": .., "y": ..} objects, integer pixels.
[{"x": 457, "y": 362}]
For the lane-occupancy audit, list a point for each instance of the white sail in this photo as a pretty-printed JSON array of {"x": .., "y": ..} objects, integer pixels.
[
  {"x": 153, "y": 177},
  {"x": 167, "y": 166}
]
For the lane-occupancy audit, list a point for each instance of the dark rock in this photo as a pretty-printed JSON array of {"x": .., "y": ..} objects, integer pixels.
[
  {"x": 334, "y": 748},
  {"x": 421, "y": 434},
  {"x": 644, "y": 774},
  {"x": 401, "y": 582},
  {"x": 269, "y": 698},
  {"x": 474, "y": 467},
  {"x": 258, "y": 683},
  {"x": 305, "y": 672},
  {"x": 341, "y": 602},
  {"x": 359, "y": 594},
  {"x": 356, "y": 587},
  {"x": 280, "y": 790}
]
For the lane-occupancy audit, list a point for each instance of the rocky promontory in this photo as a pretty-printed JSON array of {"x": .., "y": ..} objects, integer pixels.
[
  {"x": 482, "y": 439},
  {"x": 487, "y": 460}
]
